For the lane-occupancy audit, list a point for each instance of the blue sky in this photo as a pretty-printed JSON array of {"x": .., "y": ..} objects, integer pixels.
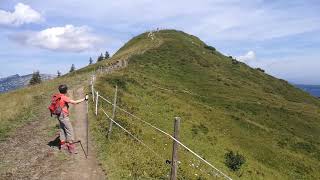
[{"x": 282, "y": 37}]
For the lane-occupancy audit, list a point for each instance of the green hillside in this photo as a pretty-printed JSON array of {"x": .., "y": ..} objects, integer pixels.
[{"x": 224, "y": 105}]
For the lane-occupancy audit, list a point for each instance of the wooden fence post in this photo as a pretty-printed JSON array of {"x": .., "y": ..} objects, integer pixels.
[
  {"x": 174, "y": 161},
  {"x": 92, "y": 88},
  {"x": 113, "y": 111},
  {"x": 97, "y": 98}
]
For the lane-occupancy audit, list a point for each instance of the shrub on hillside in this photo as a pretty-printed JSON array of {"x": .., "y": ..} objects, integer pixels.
[
  {"x": 106, "y": 56},
  {"x": 35, "y": 79},
  {"x": 234, "y": 161},
  {"x": 58, "y": 74},
  {"x": 234, "y": 61},
  {"x": 210, "y": 48},
  {"x": 100, "y": 58},
  {"x": 259, "y": 69},
  {"x": 73, "y": 68}
]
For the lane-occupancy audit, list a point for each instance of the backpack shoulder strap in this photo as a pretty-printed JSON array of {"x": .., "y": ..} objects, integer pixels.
[{"x": 56, "y": 96}]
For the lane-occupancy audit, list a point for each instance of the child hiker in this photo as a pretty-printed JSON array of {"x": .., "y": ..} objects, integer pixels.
[{"x": 60, "y": 107}]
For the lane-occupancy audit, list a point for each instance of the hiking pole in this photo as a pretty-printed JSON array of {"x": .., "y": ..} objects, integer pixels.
[
  {"x": 87, "y": 126},
  {"x": 81, "y": 148}
]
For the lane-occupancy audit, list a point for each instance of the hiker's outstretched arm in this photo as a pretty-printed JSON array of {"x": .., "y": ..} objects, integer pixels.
[{"x": 77, "y": 101}]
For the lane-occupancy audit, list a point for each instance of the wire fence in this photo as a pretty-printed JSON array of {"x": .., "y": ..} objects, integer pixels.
[
  {"x": 134, "y": 137},
  {"x": 97, "y": 96}
]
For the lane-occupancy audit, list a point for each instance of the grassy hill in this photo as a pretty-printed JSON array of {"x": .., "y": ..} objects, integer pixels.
[{"x": 223, "y": 104}]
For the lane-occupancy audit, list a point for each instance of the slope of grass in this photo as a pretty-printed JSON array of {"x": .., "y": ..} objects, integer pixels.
[{"x": 224, "y": 105}]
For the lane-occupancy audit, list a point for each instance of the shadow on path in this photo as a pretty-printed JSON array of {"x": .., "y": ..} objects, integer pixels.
[{"x": 55, "y": 142}]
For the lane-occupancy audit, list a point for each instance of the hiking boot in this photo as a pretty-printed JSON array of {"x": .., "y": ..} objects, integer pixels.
[
  {"x": 63, "y": 145},
  {"x": 72, "y": 148}
]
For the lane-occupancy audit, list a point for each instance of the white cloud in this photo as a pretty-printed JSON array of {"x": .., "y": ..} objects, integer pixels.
[
  {"x": 68, "y": 38},
  {"x": 22, "y": 14},
  {"x": 210, "y": 19},
  {"x": 249, "y": 57}
]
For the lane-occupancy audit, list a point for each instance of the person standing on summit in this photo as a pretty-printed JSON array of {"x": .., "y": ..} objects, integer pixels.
[{"x": 60, "y": 107}]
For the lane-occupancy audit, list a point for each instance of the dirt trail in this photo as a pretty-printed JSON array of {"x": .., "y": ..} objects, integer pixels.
[{"x": 27, "y": 155}]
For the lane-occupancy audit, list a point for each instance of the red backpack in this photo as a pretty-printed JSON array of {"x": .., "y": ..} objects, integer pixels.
[{"x": 56, "y": 105}]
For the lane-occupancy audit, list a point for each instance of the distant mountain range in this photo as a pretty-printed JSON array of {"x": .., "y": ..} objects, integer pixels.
[
  {"x": 312, "y": 89},
  {"x": 16, "y": 81}
]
